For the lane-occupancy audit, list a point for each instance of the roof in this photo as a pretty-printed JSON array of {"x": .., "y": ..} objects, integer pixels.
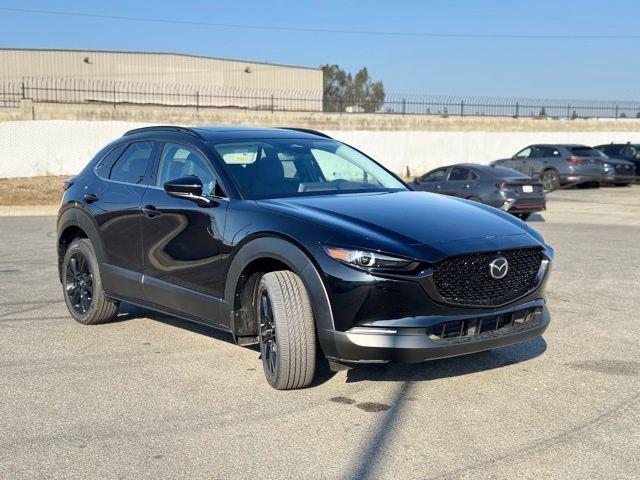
[
  {"x": 496, "y": 171},
  {"x": 81, "y": 50},
  {"x": 560, "y": 145},
  {"x": 232, "y": 132}
]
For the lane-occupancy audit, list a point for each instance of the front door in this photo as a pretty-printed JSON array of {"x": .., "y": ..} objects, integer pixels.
[{"x": 184, "y": 254}]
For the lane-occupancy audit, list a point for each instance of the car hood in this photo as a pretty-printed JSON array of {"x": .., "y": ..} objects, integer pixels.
[
  {"x": 617, "y": 161},
  {"x": 415, "y": 224}
]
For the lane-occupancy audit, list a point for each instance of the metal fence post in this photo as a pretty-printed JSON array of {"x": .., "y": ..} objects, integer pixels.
[
  {"x": 272, "y": 104},
  {"x": 23, "y": 91},
  {"x": 569, "y": 111},
  {"x": 462, "y": 108},
  {"x": 517, "y": 109},
  {"x": 404, "y": 106},
  {"x": 198, "y": 100},
  {"x": 114, "y": 95},
  {"x": 616, "y": 114}
]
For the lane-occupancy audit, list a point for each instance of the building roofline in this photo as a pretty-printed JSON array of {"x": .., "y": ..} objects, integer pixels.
[{"x": 138, "y": 52}]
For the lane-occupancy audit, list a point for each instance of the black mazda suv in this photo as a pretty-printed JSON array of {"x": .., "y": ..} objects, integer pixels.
[{"x": 294, "y": 241}]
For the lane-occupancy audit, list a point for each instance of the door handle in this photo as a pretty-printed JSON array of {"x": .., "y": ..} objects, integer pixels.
[
  {"x": 150, "y": 211},
  {"x": 90, "y": 197}
]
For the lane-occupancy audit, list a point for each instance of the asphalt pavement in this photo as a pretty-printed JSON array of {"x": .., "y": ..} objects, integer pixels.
[{"x": 150, "y": 396}]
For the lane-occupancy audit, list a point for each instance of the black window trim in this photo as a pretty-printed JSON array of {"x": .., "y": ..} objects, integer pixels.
[
  {"x": 187, "y": 145},
  {"x": 146, "y": 179},
  {"x": 462, "y": 168}
]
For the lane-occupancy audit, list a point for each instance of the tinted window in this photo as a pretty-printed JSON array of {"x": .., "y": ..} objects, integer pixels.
[
  {"x": 132, "y": 164},
  {"x": 584, "y": 151},
  {"x": 104, "y": 166},
  {"x": 550, "y": 152},
  {"x": 630, "y": 151},
  {"x": 538, "y": 152},
  {"x": 435, "y": 176},
  {"x": 458, "y": 173},
  {"x": 524, "y": 153},
  {"x": 180, "y": 161}
]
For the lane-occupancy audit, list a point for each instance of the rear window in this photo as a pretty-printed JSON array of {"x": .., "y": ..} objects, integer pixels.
[{"x": 584, "y": 152}]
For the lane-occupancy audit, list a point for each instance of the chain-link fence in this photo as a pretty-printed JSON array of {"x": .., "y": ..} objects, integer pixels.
[{"x": 82, "y": 91}]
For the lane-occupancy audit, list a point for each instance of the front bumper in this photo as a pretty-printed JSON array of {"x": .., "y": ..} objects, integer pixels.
[
  {"x": 617, "y": 178},
  {"x": 580, "y": 178},
  {"x": 411, "y": 345}
]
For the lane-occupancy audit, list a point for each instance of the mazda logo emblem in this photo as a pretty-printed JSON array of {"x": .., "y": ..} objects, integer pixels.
[{"x": 498, "y": 268}]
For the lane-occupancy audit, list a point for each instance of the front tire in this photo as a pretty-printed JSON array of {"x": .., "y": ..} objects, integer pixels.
[
  {"x": 286, "y": 330},
  {"x": 82, "y": 285},
  {"x": 550, "y": 180}
]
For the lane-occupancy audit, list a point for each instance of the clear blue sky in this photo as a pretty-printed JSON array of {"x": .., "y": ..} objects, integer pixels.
[{"x": 592, "y": 68}]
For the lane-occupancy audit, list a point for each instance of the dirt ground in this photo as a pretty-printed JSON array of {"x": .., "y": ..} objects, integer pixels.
[{"x": 31, "y": 190}]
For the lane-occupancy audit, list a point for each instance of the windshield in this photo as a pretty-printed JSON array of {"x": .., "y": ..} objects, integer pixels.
[{"x": 284, "y": 168}]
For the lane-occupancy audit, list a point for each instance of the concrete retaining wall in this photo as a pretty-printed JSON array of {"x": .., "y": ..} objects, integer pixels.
[{"x": 60, "y": 147}]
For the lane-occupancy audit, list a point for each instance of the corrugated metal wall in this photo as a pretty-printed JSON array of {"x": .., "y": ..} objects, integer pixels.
[
  {"x": 161, "y": 72},
  {"x": 156, "y": 68}
]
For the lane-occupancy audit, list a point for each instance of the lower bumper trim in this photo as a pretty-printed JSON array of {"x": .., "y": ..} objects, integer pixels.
[{"x": 413, "y": 345}]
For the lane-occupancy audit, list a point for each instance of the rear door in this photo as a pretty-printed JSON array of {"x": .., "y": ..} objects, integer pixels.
[
  {"x": 115, "y": 204},
  {"x": 184, "y": 268}
]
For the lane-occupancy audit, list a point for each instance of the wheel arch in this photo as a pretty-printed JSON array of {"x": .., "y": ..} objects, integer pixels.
[
  {"x": 74, "y": 223},
  {"x": 266, "y": 253}
]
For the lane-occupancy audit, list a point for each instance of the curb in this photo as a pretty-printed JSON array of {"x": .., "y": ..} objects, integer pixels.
[{"x": 28, "y": 210}]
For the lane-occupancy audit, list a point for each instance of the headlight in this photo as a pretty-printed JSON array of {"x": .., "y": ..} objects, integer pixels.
[{"x": 364, "y": 259}]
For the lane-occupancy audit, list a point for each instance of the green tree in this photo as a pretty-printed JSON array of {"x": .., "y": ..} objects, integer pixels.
[{"x": 346, "y": 92}]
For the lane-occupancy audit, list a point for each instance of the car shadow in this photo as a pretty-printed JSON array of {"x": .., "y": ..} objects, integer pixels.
[
  {"x": 536, "y": 217},
  {"x": 450, "y": 367},
  {"x": 394, "y": 372},
  {"x": 127, "y": 312}
]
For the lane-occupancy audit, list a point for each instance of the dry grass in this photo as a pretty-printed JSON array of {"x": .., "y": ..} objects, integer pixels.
[{"x": 31, "y": 190}]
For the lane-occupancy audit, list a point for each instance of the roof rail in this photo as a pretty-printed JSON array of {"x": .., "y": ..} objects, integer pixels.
[
  {"x": 172, "y": 128},
  {"x": 306, "y": 130}
]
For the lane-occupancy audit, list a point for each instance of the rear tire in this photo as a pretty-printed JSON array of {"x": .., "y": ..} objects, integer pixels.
[
  {"x": 82, "y": 285},
  {"x": 622, "y": 184},
  {"x": 286, "y": 330}
]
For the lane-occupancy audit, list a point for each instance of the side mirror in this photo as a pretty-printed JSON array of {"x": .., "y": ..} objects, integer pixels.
[
  {"x": 189, "y": 188},
  {"x": 417, "y": 180}
]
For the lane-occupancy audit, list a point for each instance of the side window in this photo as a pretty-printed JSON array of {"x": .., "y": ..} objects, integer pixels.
[
  {"x": 526, "y": 153},
  {"x": 435, "y": 176},
  {"x": 459, "y": 174},
  {"x": 132, "y": 164},
  {"x": 104, "y": 166},
  {"x": 537, "y": 152},
  {"x": 630, "y": 152},
  {"x": 179, "y": 161},
  {"x": 474, "y": 176},
  {"x": 551, "y": 152}
]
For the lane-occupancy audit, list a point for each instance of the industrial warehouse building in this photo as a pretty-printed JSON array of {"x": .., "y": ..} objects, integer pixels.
[{"x": 81, "y": 76}]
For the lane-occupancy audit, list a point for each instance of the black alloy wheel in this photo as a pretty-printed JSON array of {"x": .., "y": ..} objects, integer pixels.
[
  {"x": 268, "y": 341},
  {"x": 79, "y": 283}
]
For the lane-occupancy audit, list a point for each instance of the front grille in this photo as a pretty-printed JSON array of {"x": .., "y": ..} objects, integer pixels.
[
  {"x": 465, "y": 279},
  {"x": 484, "y": 327},
  {"x": 624, "y": 169}
]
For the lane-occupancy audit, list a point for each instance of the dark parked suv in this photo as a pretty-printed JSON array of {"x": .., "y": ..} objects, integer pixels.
[
  {"x": 558, "y": 164},
  {"x": 294, "y": 241}
]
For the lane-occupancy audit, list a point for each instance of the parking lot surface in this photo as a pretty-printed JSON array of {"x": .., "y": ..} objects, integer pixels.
[{"x": 150, "y": 396}]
